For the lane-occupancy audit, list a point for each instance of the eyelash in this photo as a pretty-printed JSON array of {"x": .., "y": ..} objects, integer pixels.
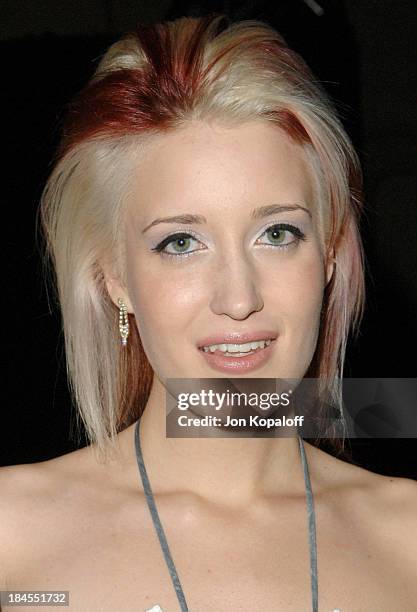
[{"x": 297, "y": 233}]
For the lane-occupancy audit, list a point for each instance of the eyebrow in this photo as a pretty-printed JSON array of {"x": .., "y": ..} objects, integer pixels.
[{"x": 257, "y": 213}]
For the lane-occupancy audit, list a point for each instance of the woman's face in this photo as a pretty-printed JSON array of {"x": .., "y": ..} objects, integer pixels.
[{"x": 249, "y": 262}]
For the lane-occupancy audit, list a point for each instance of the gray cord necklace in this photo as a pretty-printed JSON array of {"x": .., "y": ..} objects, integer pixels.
[{"x": 164, "y": 544}]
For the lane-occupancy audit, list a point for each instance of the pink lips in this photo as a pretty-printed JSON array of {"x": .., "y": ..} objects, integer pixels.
[
  {"x": 247, "y": 363},
  {"x": 238, "y": 337}
]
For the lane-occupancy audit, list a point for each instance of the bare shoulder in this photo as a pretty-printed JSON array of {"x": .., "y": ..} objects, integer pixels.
[
  {"x": 393, "y": 506},
  {"x": 385, "y": 506},
  {"x": 48, "y": 506},
  {"x": 38, "y": 501},
  {"x": 389, "y": 507},
  {"x": 22, "y": 487}
]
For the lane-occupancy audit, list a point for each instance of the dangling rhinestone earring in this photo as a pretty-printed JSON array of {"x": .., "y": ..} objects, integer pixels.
[{"x": 123, "y": 321}]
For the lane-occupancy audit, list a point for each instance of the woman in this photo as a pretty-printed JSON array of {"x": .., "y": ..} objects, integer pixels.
[{"x": 205, "y": 193}]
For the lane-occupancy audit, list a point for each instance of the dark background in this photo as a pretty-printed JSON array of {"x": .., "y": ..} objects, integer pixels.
[{"x": 363, "y": 53}]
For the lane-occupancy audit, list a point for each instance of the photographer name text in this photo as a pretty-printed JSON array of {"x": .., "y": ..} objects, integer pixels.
[{"x": 252, "y": 421}]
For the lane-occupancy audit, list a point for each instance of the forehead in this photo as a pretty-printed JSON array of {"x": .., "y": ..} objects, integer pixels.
[{"x": 220, "y": 167}]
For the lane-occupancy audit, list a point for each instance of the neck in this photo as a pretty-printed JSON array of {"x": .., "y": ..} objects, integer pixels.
[{"x": 228, "y": 471}]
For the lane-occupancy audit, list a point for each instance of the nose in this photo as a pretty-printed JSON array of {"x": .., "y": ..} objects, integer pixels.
[{"x": 235, "y": 290}]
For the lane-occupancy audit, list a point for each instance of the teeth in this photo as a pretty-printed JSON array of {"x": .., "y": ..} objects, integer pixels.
[{"x": 237, "y": 348}]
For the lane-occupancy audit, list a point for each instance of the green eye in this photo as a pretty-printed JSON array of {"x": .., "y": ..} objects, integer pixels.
[
  {"x": 183, "y": 243},
  {"x": 276, "y": 235},
  {"x": 283, "y": 235},
  {"x": 178, "y": 244}
]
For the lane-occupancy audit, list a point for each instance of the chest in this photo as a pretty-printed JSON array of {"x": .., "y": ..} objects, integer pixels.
[{"x": 223, "y": 562}]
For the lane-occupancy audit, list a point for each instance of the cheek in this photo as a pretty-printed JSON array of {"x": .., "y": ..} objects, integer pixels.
[
  {"x": 163, "y": 301},
  {"x": 298, "y": 291},
  {"x": 298, "y": 303},
  {"x": 165, "y": 305}
]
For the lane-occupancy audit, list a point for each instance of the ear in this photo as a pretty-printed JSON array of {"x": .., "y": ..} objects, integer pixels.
[{"x": 116, "y": 289}]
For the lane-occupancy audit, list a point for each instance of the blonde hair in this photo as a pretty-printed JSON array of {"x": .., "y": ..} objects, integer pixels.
[{"x": 154, "y": 80}]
